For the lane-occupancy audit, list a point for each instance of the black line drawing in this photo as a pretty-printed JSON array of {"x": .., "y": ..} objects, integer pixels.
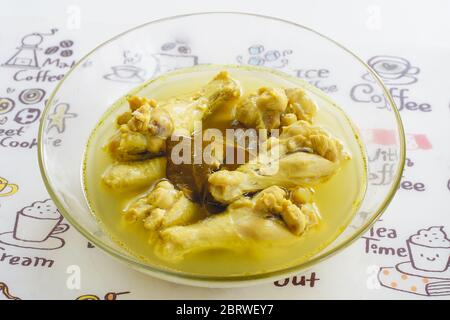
[
  {"x": 258, "y": 56},
  {"x": 6, "y": 105},
  {"x": 174, "y": 55},
  {"x": 58, "y": 118},
  {"x": 66, "y": 53},
  {"x": 27, "y": 115},
  {"x": 427, "y": 272},
  {"x": 128, "y": 71},
  {"x": 31, "y": 96},
  {"x": 26, "y": 54},
  {"x": 66, "y": 43},
  {"x": 36, "y": 227},
  {"x": 393, "y": 70},
  {"x": 51, "y": 50}
]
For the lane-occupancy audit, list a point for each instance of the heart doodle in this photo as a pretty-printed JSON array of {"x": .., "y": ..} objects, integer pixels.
[{"x": 389, "y": 66}]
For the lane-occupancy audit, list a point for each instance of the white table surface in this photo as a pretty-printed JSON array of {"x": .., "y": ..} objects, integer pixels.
[{"x": 417, "y": 31}]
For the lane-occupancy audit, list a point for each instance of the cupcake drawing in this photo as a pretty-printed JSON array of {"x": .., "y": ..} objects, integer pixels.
[
  {"x": 429, "y": 249},
  {"x": 427, "y": 272}
]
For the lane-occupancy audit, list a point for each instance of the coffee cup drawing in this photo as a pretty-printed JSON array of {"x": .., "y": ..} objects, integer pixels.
[
  {"x": 6, "y": 188},
  {"x": 126, "y": 73},
  {"x": 36, "y": 227},
  {"x": 393, "y": 70}
]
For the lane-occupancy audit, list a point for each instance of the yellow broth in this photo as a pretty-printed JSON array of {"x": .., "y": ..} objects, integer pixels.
[{"x": 337, "y": 199}]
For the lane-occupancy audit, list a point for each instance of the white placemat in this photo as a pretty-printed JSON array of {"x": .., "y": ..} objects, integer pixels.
[{"x": 41, "y": 40}]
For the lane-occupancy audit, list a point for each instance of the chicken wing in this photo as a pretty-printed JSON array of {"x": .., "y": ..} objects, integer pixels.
[
  {"x": 134, "y": 175},
  {"x": 163, "y": 207},
  {"x": 270, "y": 108},
  {"x": 144, "y": 129},
  {"x": 270, "y": 218}
]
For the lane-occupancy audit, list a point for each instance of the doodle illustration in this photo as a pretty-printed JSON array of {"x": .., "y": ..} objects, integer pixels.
[
  {"x": 31, "y": 96},
  {"x": 393, "y": 70},
  {"x": 427, "y": 272},
  {"x": 396, "y": 73},
  {"x": 6, "y": 105},
  {"x": 51, "y": 50},
  {"x": 128, "y": 71},
  {"x": 65, "y": 44},
  {"x": 259, "y": 56},
  {"x": 174, "y": 55},
  {"x": 36, "y": 226},
  {"x": 58, "y": 118},
  {"x": 6, "y": 188},
  {"x": 27, "y": 115},
  {"x": 5, "y": 291},
  {"x": 26, "y": 54},
  {"x": 65, "y": 52},
  {"x": 108, "y": 296}
]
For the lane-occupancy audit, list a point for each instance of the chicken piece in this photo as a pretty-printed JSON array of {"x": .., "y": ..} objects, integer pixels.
[
  {"x": 271, "y": 107},
  {"x": 143, "y": 135},
  {"x": 301, "y": 135},
  {"x": 298, "y": 168},
  {"x": 303, "y": 155},
  {"x": 163, "y": 207},
  {"x": 134, "y": 175},
  {"x": 301, "y": 104},
  {"x": 145, "y": 128},
  {"x": 262, "y": 110},
  {"x": 270, "y": 219}
]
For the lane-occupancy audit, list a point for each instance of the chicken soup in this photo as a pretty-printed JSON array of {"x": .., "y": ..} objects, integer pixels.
[{"x": 224, "y": 170}]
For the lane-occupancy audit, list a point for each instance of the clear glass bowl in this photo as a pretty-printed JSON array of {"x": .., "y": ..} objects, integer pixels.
[{"x": 120, "y": 64}]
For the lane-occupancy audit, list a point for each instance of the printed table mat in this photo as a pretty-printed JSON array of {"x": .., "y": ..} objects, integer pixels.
[{"x": 390, "y": 261}]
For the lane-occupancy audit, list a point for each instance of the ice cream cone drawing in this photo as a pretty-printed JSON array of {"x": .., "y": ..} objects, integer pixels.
[
  {"x": 6, "y": 188},
  {"x": 36, "y": 227},
  {"x": 4, "y": 290},
  {"x": 108, "y": 296},
  {"x": 427, "y": 272}
]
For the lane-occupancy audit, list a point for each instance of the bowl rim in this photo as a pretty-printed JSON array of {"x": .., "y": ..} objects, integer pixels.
[{"x": 208, "y": 280}]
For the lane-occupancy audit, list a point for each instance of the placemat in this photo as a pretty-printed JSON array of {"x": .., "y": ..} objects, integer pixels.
[{"x": 40, "y": 44}]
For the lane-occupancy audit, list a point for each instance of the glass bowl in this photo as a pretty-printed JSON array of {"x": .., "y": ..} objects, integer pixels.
[{"x": 122, "y": 63}]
